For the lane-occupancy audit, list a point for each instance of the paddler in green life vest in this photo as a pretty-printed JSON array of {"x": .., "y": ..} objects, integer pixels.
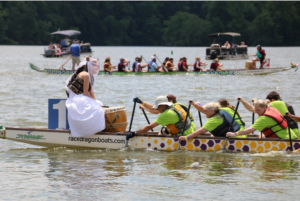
[
  {"x": 171, "y": 98},
  {"x": 270, "y": 122},
  {"x": 225, "y": 106},
  {"x": 171, "y": 116},
  {"x": 218, "y": 122}
]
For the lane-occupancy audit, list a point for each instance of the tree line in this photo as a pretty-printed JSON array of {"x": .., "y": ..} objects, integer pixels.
[{"x": 150, "y": 23}]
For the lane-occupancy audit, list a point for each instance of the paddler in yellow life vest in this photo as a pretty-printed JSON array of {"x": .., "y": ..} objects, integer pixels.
[
  {"x": 270, "y": 122},
  {"x": 107, "y": 65},
  {"x": 172, "y": 116},
  {"x": 171, "y": 98},
  {"x": 169, "y": 65},
  {"x": 218, "y": 122}
]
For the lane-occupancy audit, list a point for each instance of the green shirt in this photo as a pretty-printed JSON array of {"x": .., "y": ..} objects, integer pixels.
[
  {"x": 213, "y": 122},
  {"x": 170, "y": 117},
  {"x": 281, "y": 106},
  {"x": 231, "y": 112},
  {"x": 267, "y": 122}
]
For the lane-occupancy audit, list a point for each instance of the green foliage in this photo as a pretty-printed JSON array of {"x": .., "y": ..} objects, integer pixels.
[{"x": 150, "y": 23}]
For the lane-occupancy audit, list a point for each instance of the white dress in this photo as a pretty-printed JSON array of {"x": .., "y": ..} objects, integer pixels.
[{"x": 85, "y": 115}]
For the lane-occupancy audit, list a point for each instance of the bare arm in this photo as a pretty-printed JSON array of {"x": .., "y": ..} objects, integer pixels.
[
  {"x": 294, "y": 117},
  {"x": 148, "y": 107},
  {"x": 86, "y": 83},
  {"x": 247, "y": 131},
  {"x": 247, "y": 105},
  {"x": 197, "y": 106},
  {"x": 147, "y": 128}
]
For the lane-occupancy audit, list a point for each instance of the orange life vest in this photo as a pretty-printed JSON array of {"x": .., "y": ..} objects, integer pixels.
[
  {"x": 177, "y": 128},
  {"x": 280, "y": 120}
]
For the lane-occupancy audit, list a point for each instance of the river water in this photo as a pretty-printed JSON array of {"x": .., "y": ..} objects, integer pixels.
[{"x": 38, "y": 173}]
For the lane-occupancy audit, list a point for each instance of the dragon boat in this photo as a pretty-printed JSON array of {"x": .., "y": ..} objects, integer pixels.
[
  {"x": 225, "y": 72},
  {"x": 150, "y": 140}
]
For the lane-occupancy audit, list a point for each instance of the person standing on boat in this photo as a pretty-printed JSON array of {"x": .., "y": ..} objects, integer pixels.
[
  {"x": 122, "y": 65},
  {"x": 107, "y": 65},
  {"x": 260, "y": 56},
  {"x": 171, "y": 116},
  {"x": 218, "y": 122},
  {"x": 85, "y": 114},
  {"x": 216, "y": 66},
  {"x": 75, "y": 52},
  {"x": 63, "y": 43},
  {"x": 270, "y": 122},
  {"x": 153, "y": 67},
  {"x": 198, "y": 64}
]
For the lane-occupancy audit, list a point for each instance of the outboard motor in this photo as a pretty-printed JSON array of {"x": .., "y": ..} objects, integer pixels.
[{"x": 213, "y": 54}]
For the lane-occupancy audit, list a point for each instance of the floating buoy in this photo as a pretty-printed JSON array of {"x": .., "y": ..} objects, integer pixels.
[{"x": 172, "y": 52}]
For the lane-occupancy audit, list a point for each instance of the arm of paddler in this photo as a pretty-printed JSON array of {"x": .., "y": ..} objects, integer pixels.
[
  {"x": 92, "y": 95},
  {"x": 197, "y": 106},
  {"x": 242, "y": 132},
  {"x": 147, "y": 128},
  {"x": 246, "y": 104},
  {"x": 148, "y": 107},
  {"x": 294, "y": 117},
  {"x": 198, "y": 132}
]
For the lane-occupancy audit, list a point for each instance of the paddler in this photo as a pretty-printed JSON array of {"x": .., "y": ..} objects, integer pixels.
[
  {"x": 139, "y": 66},
  {"x": 122, "y": 65},
  {"x": 170, "y": 66},
  {"x": 270, "y": 122},
  {"x": 172, "y": 116},
  {"x": 107, "y": 65},
  {"x": 198, "y": 64},
  {"x": 218, "y": 122},
  {"x": 171, "y": 98},
  {"x": 153, "y": 67}
]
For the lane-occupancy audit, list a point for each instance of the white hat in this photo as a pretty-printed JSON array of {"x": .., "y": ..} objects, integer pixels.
[
  {"x": 161, "y": 100},
  {"x": 153, "y": 57}
]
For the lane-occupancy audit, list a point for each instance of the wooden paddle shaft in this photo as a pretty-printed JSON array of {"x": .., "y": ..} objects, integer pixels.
[{"x": 65, "y": 63}]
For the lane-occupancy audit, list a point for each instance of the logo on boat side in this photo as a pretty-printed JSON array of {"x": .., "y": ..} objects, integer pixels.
[{"x": 30, "y": 137}]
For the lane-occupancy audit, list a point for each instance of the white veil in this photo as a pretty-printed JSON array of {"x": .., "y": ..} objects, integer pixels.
[{"x": 93, "y": 68}]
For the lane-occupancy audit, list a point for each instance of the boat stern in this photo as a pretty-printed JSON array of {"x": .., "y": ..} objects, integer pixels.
[{"x": 2, "y": 132}]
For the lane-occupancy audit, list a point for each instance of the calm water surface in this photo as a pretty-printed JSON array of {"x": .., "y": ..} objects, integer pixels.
[{"x": 37, "y": 173}]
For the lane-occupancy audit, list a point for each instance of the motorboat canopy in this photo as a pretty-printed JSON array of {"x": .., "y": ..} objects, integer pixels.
[
  {"x": 66, "y": 32},
  {"x": 224, "y": 34}
]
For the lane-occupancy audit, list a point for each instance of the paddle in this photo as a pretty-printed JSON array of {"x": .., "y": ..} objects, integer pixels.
[
  {"x": 291, "y": 143},
  {"x": 231, "y": 124},
  {"x": 253, "y": 115},
  {"x": 65, "y": 63},
  {"x": 146, "y": 118},
  {"x": 126, "y": 144},
  {"x": 186, "y": 118},
  {"x": 163, "y": 67},
  {"x": 200, "y": 118}
]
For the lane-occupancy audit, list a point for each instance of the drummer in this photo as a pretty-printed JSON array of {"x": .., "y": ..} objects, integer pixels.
[
  {"x": 270, "y": 122},
  {"x": 172, "y": 117},
  {"x": 217, "y": 123}
]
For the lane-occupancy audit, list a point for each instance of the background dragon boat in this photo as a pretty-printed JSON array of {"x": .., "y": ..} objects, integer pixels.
[
  {"x": 116, "y": 140},
  {"x": 226, "y": 72}
]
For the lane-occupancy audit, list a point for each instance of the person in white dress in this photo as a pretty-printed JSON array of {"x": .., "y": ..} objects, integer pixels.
[{"x": 85, "y": 114}]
